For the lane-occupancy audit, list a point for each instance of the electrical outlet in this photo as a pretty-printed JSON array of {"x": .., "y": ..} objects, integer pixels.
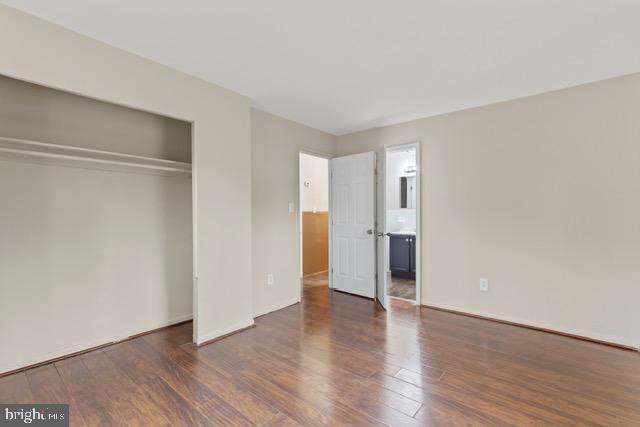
[
  {"x": 292, "y": 207},
  {"x": 269, "y": 278},
  {"x": 484, "y": 285}
]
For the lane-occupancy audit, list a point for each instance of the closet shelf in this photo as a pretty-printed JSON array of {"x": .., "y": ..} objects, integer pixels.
[{"x": 65, "y": 155}]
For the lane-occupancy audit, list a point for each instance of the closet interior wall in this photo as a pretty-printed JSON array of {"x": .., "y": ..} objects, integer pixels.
[{"x": 95, "y": 225}]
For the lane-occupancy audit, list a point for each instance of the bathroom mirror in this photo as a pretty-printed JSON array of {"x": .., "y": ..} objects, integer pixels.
[{"x": 407, "y": 192}]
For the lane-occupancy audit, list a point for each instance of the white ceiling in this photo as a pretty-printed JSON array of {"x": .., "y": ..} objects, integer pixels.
[{"x": 346, "y": 65}]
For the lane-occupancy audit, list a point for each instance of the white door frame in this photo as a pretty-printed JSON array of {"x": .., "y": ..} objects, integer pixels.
[
  {"x": 299, "y": 212},
  {"x": 381, "y": 218},
  {"x": 414, "y": 144},
  {"x": 417, "y": 145},
  {"x": 194, "y": 235}
]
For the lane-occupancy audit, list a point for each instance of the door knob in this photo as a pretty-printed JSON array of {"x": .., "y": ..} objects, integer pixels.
[{"x": 370, "y": 231}]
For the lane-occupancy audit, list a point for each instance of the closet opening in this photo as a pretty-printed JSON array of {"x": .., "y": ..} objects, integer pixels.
[{"x": 96, "y": 229}]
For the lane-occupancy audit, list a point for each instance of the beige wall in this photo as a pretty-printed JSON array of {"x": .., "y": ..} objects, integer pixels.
[
  {"x": 542, "y": 196},
  {"x": 88, "y": 257},
  {"x": 276, "y": 143},
  {"x": 42, "y": 114},
  {"x": 40, "y": 52}
]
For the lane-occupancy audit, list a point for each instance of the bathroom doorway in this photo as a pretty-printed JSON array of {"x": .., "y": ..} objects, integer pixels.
[
  {"x": 400, "y": 219},
  {"x": 314, "y": 220}
]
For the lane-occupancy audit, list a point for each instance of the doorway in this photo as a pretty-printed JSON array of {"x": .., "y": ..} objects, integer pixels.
[
  {"x": 374, "y": 228},
  {"x": 314, "y": 220},
  {"x": 401, "y": 226}
]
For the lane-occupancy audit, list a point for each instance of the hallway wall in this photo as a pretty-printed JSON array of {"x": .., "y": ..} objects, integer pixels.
[{"x": 315, "y": 242}]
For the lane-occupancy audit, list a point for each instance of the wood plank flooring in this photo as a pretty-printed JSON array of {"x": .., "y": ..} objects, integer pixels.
[
  {"x": 336, "y": 359},
  {"x": 319, "y": 279}
]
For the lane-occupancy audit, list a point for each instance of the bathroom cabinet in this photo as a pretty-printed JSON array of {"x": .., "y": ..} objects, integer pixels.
[{"x": 402, "y": 255}]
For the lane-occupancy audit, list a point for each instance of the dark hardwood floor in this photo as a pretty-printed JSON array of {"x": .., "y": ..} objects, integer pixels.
[{"x": 337, "y": 359}]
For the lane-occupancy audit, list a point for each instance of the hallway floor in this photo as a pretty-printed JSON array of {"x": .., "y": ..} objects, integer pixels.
[
  {"x": 336, "y": 359},
  {"x": 321, "y": 279}
]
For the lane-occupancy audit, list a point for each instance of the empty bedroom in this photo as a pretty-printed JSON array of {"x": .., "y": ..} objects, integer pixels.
[{"x": 285, "y": 213}]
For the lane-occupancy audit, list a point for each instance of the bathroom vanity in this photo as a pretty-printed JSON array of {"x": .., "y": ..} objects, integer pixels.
[{"x": 402, "y": 255}]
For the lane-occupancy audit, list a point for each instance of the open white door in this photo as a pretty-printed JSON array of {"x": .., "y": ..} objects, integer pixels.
[
  {"x": 353, "y": 214},
  {"x": 381, "y": 227}
]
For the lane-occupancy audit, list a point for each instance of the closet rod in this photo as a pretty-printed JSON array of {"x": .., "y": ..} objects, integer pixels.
[{"x": 27, "y": 148}]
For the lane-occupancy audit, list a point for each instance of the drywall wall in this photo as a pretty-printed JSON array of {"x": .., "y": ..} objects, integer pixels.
[
  {"x": 314, "y": 183},
  {"x": 40, "y": 52},
  {"x": 275, "y": 147},
  {"x": 88, "y": 257},
  {"x": 541, "y": 196},
  {"x": 38, "y": 113}
]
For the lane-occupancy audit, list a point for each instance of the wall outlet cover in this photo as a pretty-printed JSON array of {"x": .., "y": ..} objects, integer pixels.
[{"x": 484, "y": 285}]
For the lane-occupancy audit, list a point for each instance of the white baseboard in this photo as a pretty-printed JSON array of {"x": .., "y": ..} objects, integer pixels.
[
  {"x": 275, "y": 307},
  {"x": 626, "y": 342},
  {"x": 91, "y": 344},
  {"x": 203, "y": 338}
]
